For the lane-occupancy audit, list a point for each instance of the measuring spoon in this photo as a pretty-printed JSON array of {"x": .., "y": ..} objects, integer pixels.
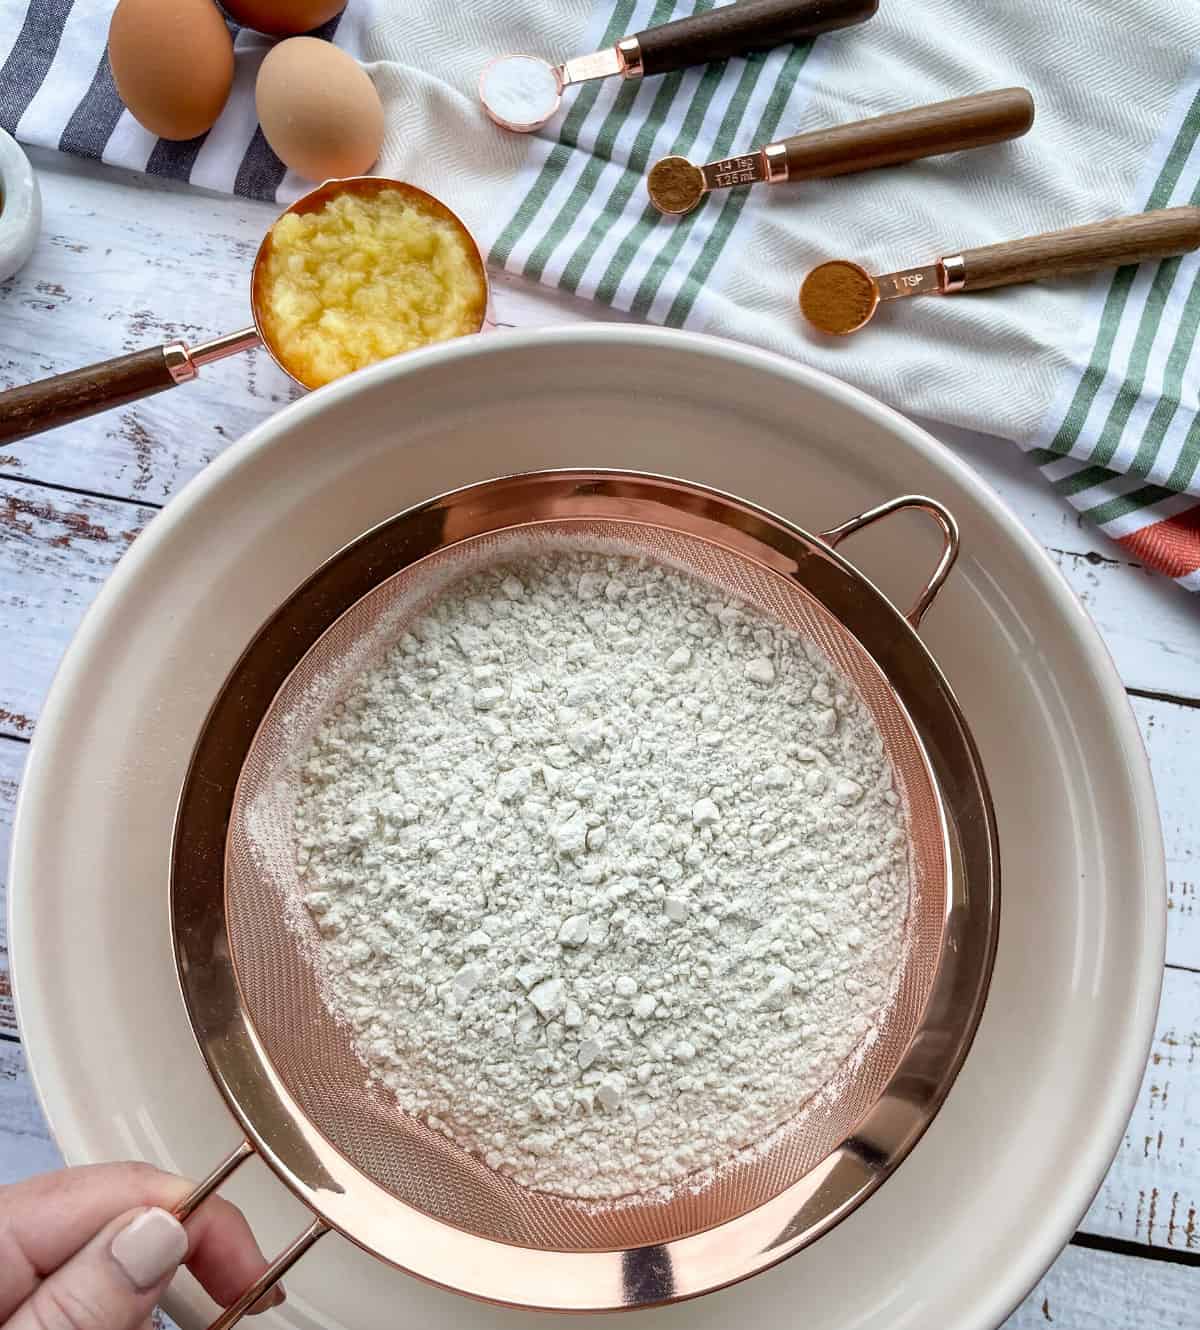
[
  {"x": 522, "y": 92},
  {"x": 676, "y": 185},
  {"x": 840, "y": 297},
  {"x": 84, "y": 392}
]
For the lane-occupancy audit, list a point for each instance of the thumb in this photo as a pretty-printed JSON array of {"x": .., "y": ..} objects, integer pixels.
[{"x": 114, "y": 1282}]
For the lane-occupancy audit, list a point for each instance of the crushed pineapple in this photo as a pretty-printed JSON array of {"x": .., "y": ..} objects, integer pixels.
[{"x": 365, "y": 277}]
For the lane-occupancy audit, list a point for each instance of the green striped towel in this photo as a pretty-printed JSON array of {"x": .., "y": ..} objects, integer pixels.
[{"x": 1097, "y": 377}]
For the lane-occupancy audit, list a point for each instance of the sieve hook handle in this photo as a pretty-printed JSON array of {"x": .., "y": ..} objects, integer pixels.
[
  {"x": 950, "y": 541},
  {"x": 277, "y": 1268}
]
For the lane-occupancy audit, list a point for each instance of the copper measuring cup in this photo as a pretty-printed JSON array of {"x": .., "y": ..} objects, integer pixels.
[
  {"x": 676, "y": 185},
  {"x": 43, "y": 405},
  {"x": 718, "y": 34},
  {"x": 840, "y": 297}
]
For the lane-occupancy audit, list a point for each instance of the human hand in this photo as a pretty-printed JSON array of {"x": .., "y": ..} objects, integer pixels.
[{"x": 93, "y": 1248}]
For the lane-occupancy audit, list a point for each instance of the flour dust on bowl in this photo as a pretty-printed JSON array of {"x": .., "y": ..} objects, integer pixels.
[{"x": 650, "y": 1163}]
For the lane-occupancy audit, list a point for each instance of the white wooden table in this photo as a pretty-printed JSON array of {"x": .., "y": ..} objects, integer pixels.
[{"x": 124, "y": 262}]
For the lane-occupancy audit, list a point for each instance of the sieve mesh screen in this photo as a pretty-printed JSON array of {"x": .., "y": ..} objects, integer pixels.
[{"x": 274, "y": 942}]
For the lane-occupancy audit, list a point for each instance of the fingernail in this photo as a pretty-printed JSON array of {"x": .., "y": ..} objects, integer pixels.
[
  {"x": 271, "y": 1298},
  {"x": 150, "y": 1247}
]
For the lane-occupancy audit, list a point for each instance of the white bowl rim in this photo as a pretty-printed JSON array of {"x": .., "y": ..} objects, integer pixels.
[{"x": 1056, "y": 1220}]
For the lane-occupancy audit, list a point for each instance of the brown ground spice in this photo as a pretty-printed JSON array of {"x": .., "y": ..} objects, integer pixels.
[
  {"x": 838, "y": 297},
  {"x": 675, "y": 184}
]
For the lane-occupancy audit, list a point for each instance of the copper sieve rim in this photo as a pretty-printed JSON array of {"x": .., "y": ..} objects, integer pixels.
[{"x": 345, "y": 1199}]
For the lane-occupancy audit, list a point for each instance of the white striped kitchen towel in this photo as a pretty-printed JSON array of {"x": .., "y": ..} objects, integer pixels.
[{"x": 1097, "y": 378}]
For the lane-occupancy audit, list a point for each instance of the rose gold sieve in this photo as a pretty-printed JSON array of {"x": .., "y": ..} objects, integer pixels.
[
  {"x": 35, "y": 407},
  {"x": 289, "y": 1073}
]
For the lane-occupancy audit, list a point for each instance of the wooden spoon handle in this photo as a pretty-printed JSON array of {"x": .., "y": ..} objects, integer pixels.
[
  {"x": 925, "y": 131},
  {"x": 82, "y": 392},
  {"x": 756, "y": 25},
  {"x": 1146, "y": 235}
]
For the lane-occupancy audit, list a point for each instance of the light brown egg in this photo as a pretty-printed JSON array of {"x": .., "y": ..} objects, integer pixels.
[
  {"x": 318, "y": 109},
  {"x": 172, "y": 63}
]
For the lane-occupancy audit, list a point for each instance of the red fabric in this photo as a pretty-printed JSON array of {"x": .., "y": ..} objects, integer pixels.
[{"x": 1171, "y": 546}]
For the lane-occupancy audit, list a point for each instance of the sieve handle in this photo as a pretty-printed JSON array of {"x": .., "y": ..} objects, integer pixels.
[
  {"x": 277, "y": 1268},
  {"x": 942, "y": 516}
]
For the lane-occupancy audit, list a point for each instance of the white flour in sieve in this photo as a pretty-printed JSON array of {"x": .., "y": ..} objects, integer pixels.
[{"x": 610, "y": 872}]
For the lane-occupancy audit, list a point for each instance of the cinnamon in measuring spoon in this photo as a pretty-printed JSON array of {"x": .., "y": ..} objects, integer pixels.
[
  {"x": 838, "y": 297},
  {"x": 675, "y": 185}
]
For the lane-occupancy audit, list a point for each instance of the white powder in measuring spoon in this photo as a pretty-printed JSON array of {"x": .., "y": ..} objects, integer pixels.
[
  {"x": 610, "y": 872},
  {"x": 520, "y": 90}
]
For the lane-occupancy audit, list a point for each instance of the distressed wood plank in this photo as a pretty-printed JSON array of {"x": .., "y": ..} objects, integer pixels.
[
  {"x": 1172, "y": 735},
  {"x": 25, "y": 1144},
  {"x": 1094, "y": 1290},
  {"x": 1152, "y": 1192},
  {"x": 56, "y": 550},
  {"x": 1147, "y": 622},
  {"x": 12, "y": 761}
]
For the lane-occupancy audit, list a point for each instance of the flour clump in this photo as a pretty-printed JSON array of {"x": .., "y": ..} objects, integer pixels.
[{"x": 610, "y": 871}]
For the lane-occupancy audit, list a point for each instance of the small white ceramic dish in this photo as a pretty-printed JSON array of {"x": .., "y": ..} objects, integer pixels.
[
  {"x": 986, "y": 1200},
  {"x": 20, "y": 207}
]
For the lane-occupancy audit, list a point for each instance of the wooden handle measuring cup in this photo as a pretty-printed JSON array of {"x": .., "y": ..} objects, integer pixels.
[
  {"x": 841, "y": 297},
  {"x": 34, "y": 407},
  {"x": 677, "y": 185}
]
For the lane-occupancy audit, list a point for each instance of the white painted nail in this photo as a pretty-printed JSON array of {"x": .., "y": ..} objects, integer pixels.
[{"x": 150, "y": 1247}]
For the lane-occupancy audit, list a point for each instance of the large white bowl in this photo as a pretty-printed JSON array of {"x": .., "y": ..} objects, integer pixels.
[{"x": 994, "y": 1189}]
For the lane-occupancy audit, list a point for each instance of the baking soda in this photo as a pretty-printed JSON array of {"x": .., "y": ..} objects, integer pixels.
[
  {"x": 610, "y": 871},
  {"x": 520, "y": 89}
]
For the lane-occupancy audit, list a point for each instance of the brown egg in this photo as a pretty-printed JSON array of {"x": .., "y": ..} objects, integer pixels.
[
  {"x": 283, "y": 18},
  {"x": 318, "y": 109},
  {"x": 172, "y": 62}
]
